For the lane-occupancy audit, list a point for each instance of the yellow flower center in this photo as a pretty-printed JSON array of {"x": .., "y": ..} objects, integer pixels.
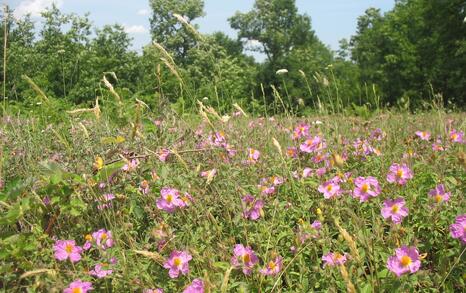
[
  {"x": 76, "y": 290},
  {"x": 395, "y": 208},
  {"x": 365, "y": 187},
  {"x": 337, "y": 256},
  {"x": 177, "y": 261},
  {"x": 438, "y": 198},
  {"x": 272, "y": 265},
  {"x": 329, "y": 187},
  {"x": 399, "y": 173},
  {"x": 405, "y": 260},
  {"x": 454, "y": 136},
  {"x": 246, "y": 258},
  {"x": 88, "y": 237},
  {"x": 169, "y": 198},
  {"x": 104, "y": 236},
  {"x": 69, "y": 248}
]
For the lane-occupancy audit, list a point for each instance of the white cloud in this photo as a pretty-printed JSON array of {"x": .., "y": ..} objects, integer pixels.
[
  {"x": 135, "y": 29},
  {"x": 143, "y": 12},
  {"x": 34, "y": 7}
]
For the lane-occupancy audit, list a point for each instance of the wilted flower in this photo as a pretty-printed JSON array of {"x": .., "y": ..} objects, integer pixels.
[
  {"x": 244, "y": 257},
  {"x": 406, "y": 259},
  {"x": 366, "y": 188},
  {"x": 197, "y": 286},
  {"x": 163, "y": 154},
  {"x": 268, "y": 185},
  {"x": 88, "y": 244},
  {"x": 65, "y": 249},
  {"x": 253, "y": 207},
  {"x": 399, "y": 174},
  {"x": 170, "y": 200},
  {"x": 332, "y": 259},
  {"x": 424, "y": 135},
  {"x": 103, "y": 238},
  {"x": 273, "y": 267},
  {"x": 292, "y": 152},
  {"x": 131, "y": 165},
  {"x": 144, "y": 187},
  {"x": 177, "y": 263},
  {"x": 106, "y": 201},
  {"x": 439, "y": 194},
  {"x": 458, "y": 229},
  {"x": 377, "y": 134},
  {"x": 330, "y": 189},
  {"x": 395, "y": 209},
  {"x": 78, "y": 286},
  {"x": 209, "y": 175}
]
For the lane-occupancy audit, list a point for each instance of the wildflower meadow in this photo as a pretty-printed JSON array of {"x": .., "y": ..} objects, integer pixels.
[{"x": 233, "y": 203}]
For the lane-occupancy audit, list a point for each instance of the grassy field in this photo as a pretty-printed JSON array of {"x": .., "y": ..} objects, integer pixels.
[{"x": 232, "y": 204}]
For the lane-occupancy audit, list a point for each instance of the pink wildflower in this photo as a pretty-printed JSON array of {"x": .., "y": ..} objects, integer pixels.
[
  {"x": 163, "y": 154},
  {"x": 101, "y": 270},
  {"x": 330, "y": 189},
  {"x": 302, "y": 130},
  {"x": 439, "y": 194},
  {"x": 424, "y": 135},
  {"x": 196, "y": 286},
  {"x": 253, "y": 207},
  {"x": 458, "y": 229},
  {"x": 177, "y": 263},
  {"x": 103, "y": 238},
  {"x": 78, "y": 286},
  {"x": 292, "y": 152},
  {"x": 170, "y": 200},
  {"x": 253, "y": 156},
  {"x": 406, "y": 259},
  {"x": 65, "y": 249},
  {"x": 366, "y": 188},
  {"x": 144, "y": 187},
  {"x": 332, "y": 259},
  {"x": 130, "y": 165},
  {"x": 244, "y": 257},
  {"x": 273, "y": 267},
  {"x": 307, "y": 172},
  {"x": 399, "y": 174},
  {"x": 395, "y": 209},
  {"x": 314, "y": 144},
  {"x": 456, "y": 136}
]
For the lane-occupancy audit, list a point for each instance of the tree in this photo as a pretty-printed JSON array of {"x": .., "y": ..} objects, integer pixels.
[{"x": 168, "y": 31}]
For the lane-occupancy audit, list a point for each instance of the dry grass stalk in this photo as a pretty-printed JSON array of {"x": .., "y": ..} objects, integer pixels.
[{"x": 36, "y": 88}]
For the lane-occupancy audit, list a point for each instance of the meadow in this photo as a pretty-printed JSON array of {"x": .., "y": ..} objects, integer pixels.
[{"x": 134, "y": 199}]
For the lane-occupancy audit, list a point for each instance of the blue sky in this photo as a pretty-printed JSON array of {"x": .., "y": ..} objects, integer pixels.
[{"x": 332, "y": 20}]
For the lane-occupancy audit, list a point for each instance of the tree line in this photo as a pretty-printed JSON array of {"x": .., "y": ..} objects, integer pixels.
[{"x": 411, "y": 56}]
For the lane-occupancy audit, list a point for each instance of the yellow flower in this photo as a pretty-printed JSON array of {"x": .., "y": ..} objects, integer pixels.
[{"x": 98, "y": 163}]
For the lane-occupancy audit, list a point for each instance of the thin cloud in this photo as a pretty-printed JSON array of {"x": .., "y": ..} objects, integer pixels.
[
  {"x": 143, "y": 12},
  {"x": 135, "y": 29},
  {"x": 34, "y": 7}
]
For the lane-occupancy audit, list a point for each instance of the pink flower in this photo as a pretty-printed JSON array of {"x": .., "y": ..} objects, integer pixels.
[
  {"x": 307, "y": 172},
  {"x": 406, "y": 259},
  {"x": 330, "y": 189},
  {"x": 253, "y": 156},
  {"x": 197, "y": 286},
  {"x": 319, "y": 157},
  {"x": 273, "y": 267},
  {"x": 302, "y": 130},
  {"x": 366, "y": 188},
  {"x": 163, "y": 154},
  {"x": 439, "y": 194},
  {"x": 101, "y": 270},
  {"x": 458, "y": 229},
  {"x": 292, "y": 152},
  {"x": 152, "y": 290},
  {"x": 78, "y": 286},
  {"x": 244, "y": 257},
  {"x": 268, "y": 185},
  {"x": 131, "y": 165},
  {"x": 377, "y": 134},
  {"x": 424, "y": 135},
  {"x": 177, "y": 263},
  {"x": 399, "y": 174},
  {"x": 144, "y": 187},
  {"x": 106, "y": 202},
  {"x": 170, "y": 200},
  {"x": 65, "y": 249},
  {"x": 456, "y": 136},
  {"x": 253, "y": 207},
  {"x": 103, "y": 238},
  {"x": 394, "y": 209},
  {"x": 314, "y": 144},
  {"x": 209, "y": 174},
  {"x": 332, "y": 259},
  {"x": 321, "y": 171},
  {"x": 316, "y": 225}
]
